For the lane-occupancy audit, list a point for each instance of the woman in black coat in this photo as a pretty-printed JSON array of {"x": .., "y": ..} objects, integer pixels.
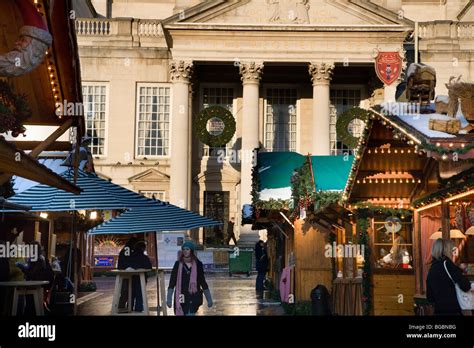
[
  {"x": 440, "y": 289},
  {"x": 190, "y": 286}
]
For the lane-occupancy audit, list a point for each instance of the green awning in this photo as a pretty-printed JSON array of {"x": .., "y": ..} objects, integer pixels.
[{"x": 277, "y": 168}]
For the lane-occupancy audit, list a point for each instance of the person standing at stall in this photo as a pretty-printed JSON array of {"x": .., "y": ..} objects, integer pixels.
[
  {"x": 443, "y": 273},
  {"x": 188, "y": 279},
  {"x": 123, "y": 262},
  {"x": 138, "y": 260},
  {"x": 261, "y": 259}
]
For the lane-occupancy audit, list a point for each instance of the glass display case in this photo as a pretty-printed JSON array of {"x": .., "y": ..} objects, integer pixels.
[{"x": 392, "y": 244}]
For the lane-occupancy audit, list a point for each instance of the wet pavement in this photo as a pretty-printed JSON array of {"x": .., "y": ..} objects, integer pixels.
[{"x": 231, "y": 296}]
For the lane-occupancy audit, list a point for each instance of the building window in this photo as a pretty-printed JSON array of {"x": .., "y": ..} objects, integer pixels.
[
  {"x": 216, "y": 207},
  {"x": 220, "y": 96},
  {"x": 342, "y": 100},
  {"x": 159, "y": 195},
  {"x": 94, "y": 97},
  {"x": 154, "y": 105},
  {"x": 280, "y": 119}
]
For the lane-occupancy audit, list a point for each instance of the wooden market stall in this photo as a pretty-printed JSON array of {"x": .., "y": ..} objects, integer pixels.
[
  {"x": 292, "y": 189},
  {"x": 409, "y": 180},
  {"x": 36, "y": 88},
  {"x": 55, "y": 80}
]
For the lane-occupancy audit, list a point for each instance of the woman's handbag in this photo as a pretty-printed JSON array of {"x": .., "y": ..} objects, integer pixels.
[{"x": 465, "y": 299}]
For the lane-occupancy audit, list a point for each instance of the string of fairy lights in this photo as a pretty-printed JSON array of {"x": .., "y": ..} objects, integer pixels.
[
  {"x": 446, "y": 152},
  {"x": 52, "y": 69}
]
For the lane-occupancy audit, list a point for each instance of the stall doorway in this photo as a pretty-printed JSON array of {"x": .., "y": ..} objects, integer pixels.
[{"x": 216, "y": 207}]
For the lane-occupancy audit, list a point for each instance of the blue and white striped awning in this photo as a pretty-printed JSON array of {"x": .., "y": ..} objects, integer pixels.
[
  {"x": 159, "y": 218},
  {"x": 143, "y": 214},
  {"x": 94, "y": 196}
]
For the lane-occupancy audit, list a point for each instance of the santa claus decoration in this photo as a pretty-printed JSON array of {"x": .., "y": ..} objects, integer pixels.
[{"x": 30, "y": 49}]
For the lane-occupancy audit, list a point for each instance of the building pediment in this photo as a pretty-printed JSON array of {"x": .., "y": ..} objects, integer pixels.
[
  {"x": 290, "y": 12},
  {"x": 150, "y": 175}
]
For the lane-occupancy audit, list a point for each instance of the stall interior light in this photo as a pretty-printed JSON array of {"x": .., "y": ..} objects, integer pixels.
[
  {"x": 93, "y": 215},
  {"x": 44, "y": 215}
]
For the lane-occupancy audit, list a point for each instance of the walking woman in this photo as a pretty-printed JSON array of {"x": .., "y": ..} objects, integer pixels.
[
  {"x": 440, "y": 289},
  {"x": 188, "y": 278}
]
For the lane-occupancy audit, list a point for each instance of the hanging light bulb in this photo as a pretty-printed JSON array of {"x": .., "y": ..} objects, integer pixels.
[{"x": 444, "y": 157}]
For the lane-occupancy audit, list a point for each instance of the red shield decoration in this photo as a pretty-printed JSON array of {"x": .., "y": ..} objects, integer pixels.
[{"x": 388, "y": 66}]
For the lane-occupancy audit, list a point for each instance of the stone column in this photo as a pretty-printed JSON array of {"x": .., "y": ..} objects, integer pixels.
[
  {"x": 321, "y": 74},
  {"x": 251, "y": 73},
  {"x": 180, "y": 72}
]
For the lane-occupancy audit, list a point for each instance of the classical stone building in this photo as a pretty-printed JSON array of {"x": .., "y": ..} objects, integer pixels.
[{"x": 284, "y": 69}]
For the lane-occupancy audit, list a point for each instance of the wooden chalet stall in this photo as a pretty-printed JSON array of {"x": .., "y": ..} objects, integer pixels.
[
  {"x": 56, "y": 80},
  {"x": 292, "y": 190},
  {"x": 414, "y": 180}
]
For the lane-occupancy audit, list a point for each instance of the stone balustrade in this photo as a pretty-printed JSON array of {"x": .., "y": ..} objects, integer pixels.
[
  {"x": 118, "y": 26},
  {"x": 446, "y": 29}
]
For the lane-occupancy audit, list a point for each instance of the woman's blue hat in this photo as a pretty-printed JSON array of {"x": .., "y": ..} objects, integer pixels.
[{"x": 188, "y": 244}]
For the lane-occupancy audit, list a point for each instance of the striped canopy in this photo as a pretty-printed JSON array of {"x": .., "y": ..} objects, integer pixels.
[
  {"x": 95, "y": 195},
  {"x": 158, "y": 218},
  {"x": 143, "y": 215}
]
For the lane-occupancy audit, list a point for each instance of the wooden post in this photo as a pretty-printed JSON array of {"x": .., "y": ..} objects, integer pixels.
[
  {"x": 445, "y": 221},
  {"x": 160, "y": 285},
  {"x": 417, "y": 256},
  {"x": 74, "y": 259}
]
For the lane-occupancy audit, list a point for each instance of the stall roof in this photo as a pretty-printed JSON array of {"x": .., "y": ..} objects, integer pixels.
[
  {"x": 277, "y": 168},
  {"x": 62, "y": 61},
  {"x": 406, "y": 118},
  {"x": 396, "y": 154}
]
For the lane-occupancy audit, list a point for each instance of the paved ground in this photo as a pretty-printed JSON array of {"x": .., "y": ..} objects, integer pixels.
[{"x": 232, "y": 296}]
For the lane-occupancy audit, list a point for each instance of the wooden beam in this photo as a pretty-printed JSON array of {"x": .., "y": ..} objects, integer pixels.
[
  {"x": 16, "y": 162},
  {"x": 445, "y": 222},
  {"x": 51, "y": 139},
  {"x": 29, "y": 145},
  {"x": 42, "y": 146}
]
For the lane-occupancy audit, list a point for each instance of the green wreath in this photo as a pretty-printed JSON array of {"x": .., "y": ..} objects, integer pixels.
[
  {"x": 343, "y": 122},
  {"x": 223, "y": 115},
  {"x": 14, "y": 110}
]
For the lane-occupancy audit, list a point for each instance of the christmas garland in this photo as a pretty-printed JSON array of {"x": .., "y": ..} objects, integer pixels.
[
  {"x": 368, "y": 210},
  {"x": 343, "y": 122},
  {"x": 14, "y": 110},
  {"x": 362, "y": 232},
  {"x": 222, "y": 114},
  {"x": 465, "y": 175},
  {"x": 302, "y": 188},
  {"x": 445, "y": 193},
  {"x": 446, "y": 151}
]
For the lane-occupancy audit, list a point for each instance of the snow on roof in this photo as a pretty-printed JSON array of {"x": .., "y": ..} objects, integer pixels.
[
  {"x": 275, "y": 193},
  {"x": 420, "y": 122}
]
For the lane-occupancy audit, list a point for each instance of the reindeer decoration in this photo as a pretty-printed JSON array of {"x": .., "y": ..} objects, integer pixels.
[{"x": 463, "y": 91}]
